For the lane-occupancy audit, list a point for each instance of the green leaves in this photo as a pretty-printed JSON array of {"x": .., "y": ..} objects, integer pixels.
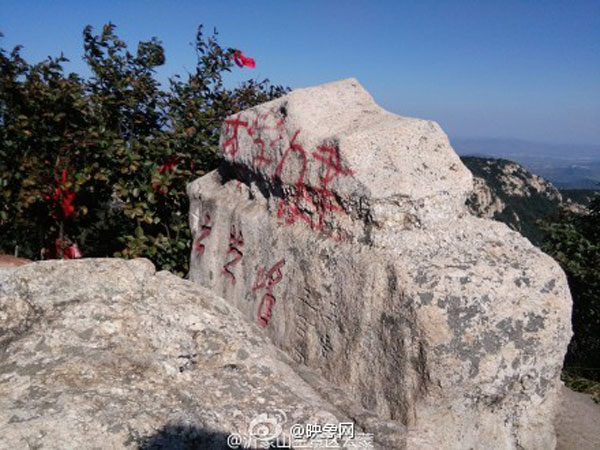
[
  {"x": 112, "y": 132},
  {"x": 574, "y": 241}
]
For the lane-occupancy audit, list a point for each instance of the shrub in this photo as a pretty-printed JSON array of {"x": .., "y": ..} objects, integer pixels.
[
  {"x": 103, "y": 162},
  {"x": 574, "y": 241}
]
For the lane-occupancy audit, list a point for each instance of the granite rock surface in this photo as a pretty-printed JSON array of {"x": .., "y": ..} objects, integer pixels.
[
  {"x": 106, "y": 353},
  {"x": 341, "y": 230}
]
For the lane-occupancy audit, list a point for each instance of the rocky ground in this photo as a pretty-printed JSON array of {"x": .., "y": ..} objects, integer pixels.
[
  {"x": 578, "y": 422},
  {"x": 108, "y": 352}
]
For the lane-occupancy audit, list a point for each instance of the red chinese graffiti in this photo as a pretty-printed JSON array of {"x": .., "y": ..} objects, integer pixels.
[
  {"x": 261, "y": 158},
  {"x": 293, "y": 147},
  {"x": 289, "y": 208},
  {"x": 258, "y": 127},
  {"x": 267, "y": 281},
  {"x": 232, "y": 144},
  {"x": 325, "y": 200},
  {"x": 330, "y": 157},
  {"x": 205, "y": 231},
  {"x": 308, "y": 203},
  {"x": 255, "y": 128},
  {"x": 319, "y": 199},
  {"x": 236, "y": 241}
]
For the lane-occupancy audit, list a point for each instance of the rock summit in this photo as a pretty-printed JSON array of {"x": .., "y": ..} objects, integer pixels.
[{"x": 340, "y": 229}]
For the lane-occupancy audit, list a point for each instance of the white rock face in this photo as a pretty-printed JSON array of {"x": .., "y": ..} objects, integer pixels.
[
  {"x": 341, "y": 230},
  {"x": 108, "y": 354}
]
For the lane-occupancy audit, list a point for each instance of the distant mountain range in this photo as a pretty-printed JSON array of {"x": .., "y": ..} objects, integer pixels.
[{"x": 566, "y": 166}]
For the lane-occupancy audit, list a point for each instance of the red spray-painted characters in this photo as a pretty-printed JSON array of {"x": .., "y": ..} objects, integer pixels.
[
  {"x": 232, "y": 144},
  {"x": 236, "y": 242},
  {"x": 311, "y": 204},
  {"x": 259, "y": 129},
  {"x": 329, "y": 157},
  {"x": 261, "y": 158},
  {"x": 319, "y": 200},
  {"x": 205, "y": 231},
  {"x": 267, "y": 281}
]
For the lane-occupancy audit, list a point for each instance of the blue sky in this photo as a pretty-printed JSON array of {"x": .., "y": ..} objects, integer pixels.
[{"x": 526, "y": 69}]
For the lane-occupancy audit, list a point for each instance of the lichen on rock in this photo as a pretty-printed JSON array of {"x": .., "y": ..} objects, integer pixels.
[{"x": 106, "y": 353}]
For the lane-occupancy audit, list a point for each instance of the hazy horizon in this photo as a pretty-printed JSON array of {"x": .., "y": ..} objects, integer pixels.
[
  {"x": 567, "y": 166},
  {"x": 511, "y": 145},
  {"x": 514, "y": 138}
]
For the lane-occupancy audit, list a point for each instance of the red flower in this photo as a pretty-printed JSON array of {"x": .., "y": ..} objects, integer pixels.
[
  {"x": 160, "y": 190},
  {"x": 63, "y": 197},
  {"x": 242, "y": 60},
  {"x": 72, "y": 252},
  {"x": 64, "y": 252},
  {"x": 169, "y": 164},
  {"x": 67, "y": 204}
]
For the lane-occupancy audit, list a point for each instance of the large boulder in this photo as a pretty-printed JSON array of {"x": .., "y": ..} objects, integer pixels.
[
  {"x": 109, "y": 354},
  {"x": 341, "y": 230}
]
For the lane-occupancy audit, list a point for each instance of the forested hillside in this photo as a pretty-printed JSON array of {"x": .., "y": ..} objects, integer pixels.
[
  {"x": 506, "y": 191},
  {"x": 97, "y": 166}
]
